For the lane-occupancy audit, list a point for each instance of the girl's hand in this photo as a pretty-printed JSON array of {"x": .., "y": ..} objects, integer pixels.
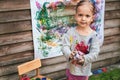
[
  {"x": 71, "y": 57},
  {"x": 74, "y": 62},
  {"x": 81, "y": 60}
]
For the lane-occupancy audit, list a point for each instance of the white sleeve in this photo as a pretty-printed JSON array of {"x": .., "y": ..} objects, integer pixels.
[
  {"x": 66, "y": 46},
  {"x": 94, "y": 50}
]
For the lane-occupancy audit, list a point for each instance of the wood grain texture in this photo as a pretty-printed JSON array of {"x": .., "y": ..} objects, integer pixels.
[
  {"x": 114, "y": 5},
  {"x": 110, "y": 47},
  {"x": 16, "y": 58},
  {"x": 114, "y": 14},
  {"x": 111, "y": 39},
  {"x": 15, "y": 38},
  {"x": 15, "y": 48},
  {"x": 10, "y": 5},
  {"x": 106, "y": 62},
  {"x": 13, "y": 27},
  {"x": 111, "y": 31},
  {"x": 13, "y": 16},
  {"x": 112, "y": 23},
  {"x": 108, "y": 55}
]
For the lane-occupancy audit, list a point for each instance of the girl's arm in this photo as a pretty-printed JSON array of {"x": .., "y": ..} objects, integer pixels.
[
  {"x": 94, "y": 50},
  {"x": 66, "y": 46}
]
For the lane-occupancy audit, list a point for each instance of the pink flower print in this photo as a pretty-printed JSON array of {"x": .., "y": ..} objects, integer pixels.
[{"x": 82, "y": 47}]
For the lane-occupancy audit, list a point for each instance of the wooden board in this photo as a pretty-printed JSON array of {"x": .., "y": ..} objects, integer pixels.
[
  {"x": 15, "y": 48},
  {"x": 13, "y": 27},
  {"x": 15, "y": 38}
]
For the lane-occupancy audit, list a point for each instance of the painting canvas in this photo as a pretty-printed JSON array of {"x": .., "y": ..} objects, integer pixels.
[{"x": 52, "y": 18}]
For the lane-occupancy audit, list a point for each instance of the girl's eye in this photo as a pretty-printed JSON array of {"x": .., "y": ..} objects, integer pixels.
[
  {"x": 79, "y": 14},
  {"x": 87, "y": 15}
]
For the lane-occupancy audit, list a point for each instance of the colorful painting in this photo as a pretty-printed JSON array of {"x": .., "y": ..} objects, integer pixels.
[
  {"x": 49, "y": 23},
  {"x": 98, "y": 24}
]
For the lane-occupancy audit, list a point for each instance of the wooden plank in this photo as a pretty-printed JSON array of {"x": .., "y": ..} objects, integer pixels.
[
  {"x": 14, "y": 16},
  {"x": 15, "y": 37},
  {"x": 53, "y": 68},
  {"x": 57, "y": 75},
  {"x": 112, "y": 31},
  {"x": 110, "y": 47},
  {"x": 111, "y": 54},
  {"x": 115, "y": 5},
  {"x": 112, "y": 23},
  {"x": 15, "y": 48},
  {"x": 8, "y": 5},
  {"x": 55, "y": 60},
  {"x": 15, "y": 27},
  {"x": 16, "y": 58},
  {"x": 111, "y": 39},
  {"x": 105, "y": 62},
  {"x": 112, "y": 14},
  {"x": 9, "y": 77},
  {"x": 29, "y": 66},
  {"x": 43, "y": 70},
  {"x": 8, "y": 69}
]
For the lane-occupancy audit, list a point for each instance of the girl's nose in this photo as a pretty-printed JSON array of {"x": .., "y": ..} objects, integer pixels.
[{"x": 83, "y": 18}]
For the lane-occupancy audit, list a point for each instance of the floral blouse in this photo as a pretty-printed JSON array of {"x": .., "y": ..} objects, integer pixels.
[{"x": 89, "y": 45}]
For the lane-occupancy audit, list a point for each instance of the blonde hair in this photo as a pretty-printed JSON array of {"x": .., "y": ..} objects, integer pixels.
[{"x": 88, "y": 3}]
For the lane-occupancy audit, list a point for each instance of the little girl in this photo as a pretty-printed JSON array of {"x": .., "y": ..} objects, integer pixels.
[{"x": 80, "y": 44}]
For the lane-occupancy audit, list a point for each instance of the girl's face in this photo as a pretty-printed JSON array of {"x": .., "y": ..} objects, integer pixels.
[{"x": 84, "y": 16}]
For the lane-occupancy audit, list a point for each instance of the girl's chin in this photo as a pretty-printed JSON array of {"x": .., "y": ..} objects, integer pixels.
[{"x": 83, "y": 26}]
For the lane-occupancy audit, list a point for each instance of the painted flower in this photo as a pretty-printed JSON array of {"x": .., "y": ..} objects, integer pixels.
[{"x": 38, "y": 5}]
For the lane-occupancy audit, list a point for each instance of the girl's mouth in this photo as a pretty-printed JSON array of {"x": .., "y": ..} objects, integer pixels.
[{"x": 83, "y": 22}]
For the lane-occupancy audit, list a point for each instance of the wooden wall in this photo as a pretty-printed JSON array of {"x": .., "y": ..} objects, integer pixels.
[{"x": 16, "y": 43}]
